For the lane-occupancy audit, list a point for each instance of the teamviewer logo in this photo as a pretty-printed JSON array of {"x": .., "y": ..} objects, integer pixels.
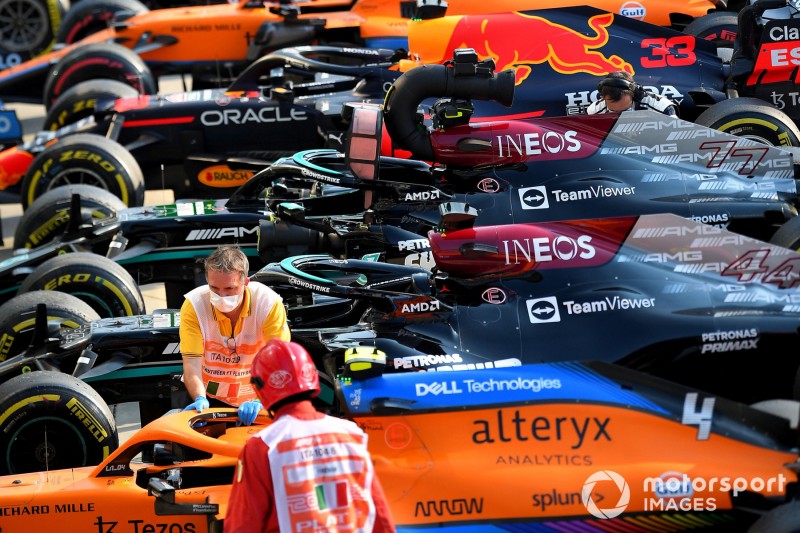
[
  {"x": 533, "y": 198},
  {"x": 590, "y": 500},
  {"x": 542, "y": 310}
]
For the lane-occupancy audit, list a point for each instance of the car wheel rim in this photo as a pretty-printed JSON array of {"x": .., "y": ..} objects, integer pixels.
[
  {"x": 24, "y": 25},
  {"x": 77, "y": 177},
  {"x": 45, "y": 442}
]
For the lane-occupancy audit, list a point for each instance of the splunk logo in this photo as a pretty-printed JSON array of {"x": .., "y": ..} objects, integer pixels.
[{"x": 590, "y": 501}]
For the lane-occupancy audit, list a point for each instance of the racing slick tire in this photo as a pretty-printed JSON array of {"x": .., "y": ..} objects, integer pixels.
[
  {"x": 85, "y": 158},
  {"x": 98, "y": 61},
  {"x": 80, "y": 101},
  {"x": 788, "y": 235},
  {"x": 18, "y": 317},
  {"x": 50, "y": 421},
  {"x": 751, "y": 118},
  {"x": 90, "y": 16},
  {"x": 47, "y": 217},
  {"x": 99, "y": 281},
  {"x": 28, "y": 28},
  {"x": 719, "y": 27}
]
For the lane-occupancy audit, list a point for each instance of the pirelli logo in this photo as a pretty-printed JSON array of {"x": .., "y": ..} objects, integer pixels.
[{"x": 220, "y": 233}]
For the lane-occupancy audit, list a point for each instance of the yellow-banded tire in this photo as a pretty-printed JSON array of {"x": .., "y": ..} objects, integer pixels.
[
  {"x": 88, "y": 159},
  {"x": 18, "y": 318},
  {"x": 100, "y": 282},
  {"x": 80, "y": 100},
  {"x": 28, "y": 28},
  {"x": 90, "y": 16},
  {"x": 95, "y": 61},
  {"x": 752, "y": 118},
  {"x": 50, "y": 421},
  {"x": 47, "y": 217}
]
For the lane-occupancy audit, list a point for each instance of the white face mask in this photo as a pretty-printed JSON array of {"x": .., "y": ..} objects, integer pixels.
[{"x": 226, "y": 304}]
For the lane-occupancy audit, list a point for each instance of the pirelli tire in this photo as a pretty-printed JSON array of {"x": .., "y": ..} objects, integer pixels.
[
  {"x": 90, "y": 16},
  {"x": 89, "y": 159},
  {"x": 100, "y": 282},
  {"x": 51, "y": 421},
  {"x": 28, "y": 28},
  {"x": 788, "y": 235},
  {"x": 719, "y": 27},
  {"x": 47, "y": 217},
  {"x": 18, "y": 317},
  {"x": 752, "y": 118},
  {"x": 96, "y": 61},
  {"x": 80, "y": 100}
]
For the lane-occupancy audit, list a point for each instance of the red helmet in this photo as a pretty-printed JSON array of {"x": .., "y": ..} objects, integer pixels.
[{"x": 282, "y": 369}]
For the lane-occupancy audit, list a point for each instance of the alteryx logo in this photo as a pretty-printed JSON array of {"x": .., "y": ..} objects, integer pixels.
[
  {"x": 543, "y": 310},
  {"x": 533, "y": 198}
]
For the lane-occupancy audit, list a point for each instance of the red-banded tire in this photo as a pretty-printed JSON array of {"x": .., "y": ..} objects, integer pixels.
[
  {"x": 89, "y": 159},
  {"x": 100, "y": 282},
  {"x": 47, "y": 217},
  {"x": 98, "y": 61},
  {"x": 80, "y": 100},
  {"x": 751, "y": 118},
  {"x": 51, "y": 421},
  {"x": 18, "y": 316},
  {"x": 90, "y": 16},
  {"x": 719, "y": 27}
]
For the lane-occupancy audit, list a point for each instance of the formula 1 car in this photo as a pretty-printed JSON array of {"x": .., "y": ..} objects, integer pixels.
[
  {"x": 165, "y": 131},
  {"x": 734, "y": 182},
  {"x": 674, "y": 295},
  {"x": 186, "y": 484}
]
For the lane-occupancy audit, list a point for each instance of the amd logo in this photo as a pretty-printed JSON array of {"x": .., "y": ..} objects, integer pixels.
[
  {"x": 421, "y": 307},
  {"x": 422, "y": 196}
]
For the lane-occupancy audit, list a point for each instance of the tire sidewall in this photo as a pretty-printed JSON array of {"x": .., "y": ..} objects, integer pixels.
[
  {"x": 752, "y": 118},
  {"x": 18, "y": 318},
  {"x": 100, "y": 282},
  {"x": 89, "y": 16},
  {"x": 47, "y": 217},
  {"x": 95, "y": 61},
  {"x": 80, "y": 101},
  {"x": 115, "y": 168},
  {"x": 39, "y": 395}
]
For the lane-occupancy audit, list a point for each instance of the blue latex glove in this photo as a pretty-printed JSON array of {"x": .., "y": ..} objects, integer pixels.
[
  {"x": 248, "y": 412},
  {"x": 199, "y": 403}
]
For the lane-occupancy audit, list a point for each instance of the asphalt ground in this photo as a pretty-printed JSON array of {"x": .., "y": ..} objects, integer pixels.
[{"x": 32, "y": 117}]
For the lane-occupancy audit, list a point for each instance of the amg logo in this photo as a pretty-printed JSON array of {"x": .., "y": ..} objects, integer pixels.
[
  {"x": 220, "y": 233},
  {"x": 454, "y": 507},
  {"x": 642, "y": 150}
]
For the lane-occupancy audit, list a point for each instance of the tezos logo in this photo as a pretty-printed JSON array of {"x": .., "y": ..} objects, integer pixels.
[
  {"x": 543, "y": 310},
  {"x": 533, "y": 198},
  {"x": 624, "y": 496}
]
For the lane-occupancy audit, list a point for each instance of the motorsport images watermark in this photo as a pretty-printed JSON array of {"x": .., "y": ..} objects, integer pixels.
[{"x": 673, "y": 491}]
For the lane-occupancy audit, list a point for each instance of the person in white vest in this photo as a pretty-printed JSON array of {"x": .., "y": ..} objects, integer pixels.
[
  {"x": 223, "y": 325},
  {"x": 306, "y": 471},
  {"x": 619, "y": 92}
]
